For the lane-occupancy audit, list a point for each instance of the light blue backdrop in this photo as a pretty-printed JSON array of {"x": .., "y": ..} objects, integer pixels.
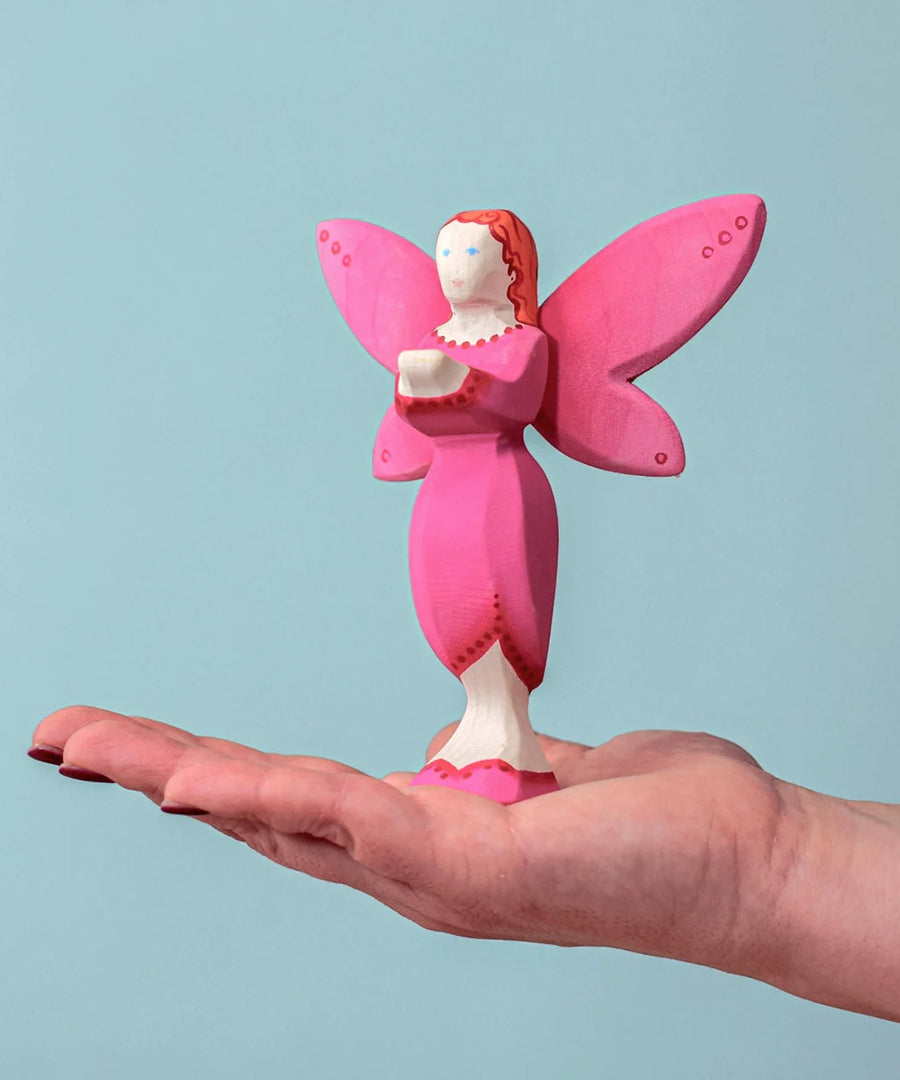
[{"x": 190, "y": 530}]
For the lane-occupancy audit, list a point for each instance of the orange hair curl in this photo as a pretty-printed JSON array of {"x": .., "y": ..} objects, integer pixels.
[{"x": 519, "y": 253}]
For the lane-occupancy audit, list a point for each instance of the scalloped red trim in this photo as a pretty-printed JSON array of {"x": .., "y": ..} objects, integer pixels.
[
  {"x": 467, "y": 393},
  {"x": 492, "y": 778},
  {"x": 454, "y": 344}
]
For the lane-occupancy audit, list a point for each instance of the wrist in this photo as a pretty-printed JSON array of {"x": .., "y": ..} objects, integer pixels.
[{"x": 833, "y": 934}]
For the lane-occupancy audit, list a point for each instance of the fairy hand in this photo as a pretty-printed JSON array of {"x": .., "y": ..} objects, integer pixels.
[
  {"x": 429, "y": 373},
  {"x": 670, "y": 843}
]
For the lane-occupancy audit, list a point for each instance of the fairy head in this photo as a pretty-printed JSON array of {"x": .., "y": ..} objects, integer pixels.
[{"x": 488, "y": 256}]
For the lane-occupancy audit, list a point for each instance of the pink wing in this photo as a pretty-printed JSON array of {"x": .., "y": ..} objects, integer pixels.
[
  {"x": 385, "y": 287},
  {"x": 401, "y": 452},
  {"x": 622, "y": 313},
  {"x": 388, "y": 291}
]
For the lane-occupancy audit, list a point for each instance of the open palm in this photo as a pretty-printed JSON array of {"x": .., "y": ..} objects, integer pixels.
[
  {"x": 663, "y": 842},
  {"x": 672, "y": 843}
]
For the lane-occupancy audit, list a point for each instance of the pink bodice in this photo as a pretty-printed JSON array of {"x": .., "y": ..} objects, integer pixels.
[{"x": 502, "y": 392}]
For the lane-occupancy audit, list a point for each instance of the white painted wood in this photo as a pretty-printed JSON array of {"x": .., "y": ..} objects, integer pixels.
[
  {"x": 475, "y": 280},
  {"x": 495, "y": 723},
  {"x": 429, "y": 373}
]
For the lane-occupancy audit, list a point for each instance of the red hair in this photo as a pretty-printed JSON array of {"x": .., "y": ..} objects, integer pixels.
[{"x": 519, "y": 254}]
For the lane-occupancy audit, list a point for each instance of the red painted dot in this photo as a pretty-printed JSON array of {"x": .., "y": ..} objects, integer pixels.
[
  {"x": 724, "y": 237},
  {"x": 480, "y": 342},
  {"x": 740, "y": 222},
  {"x": 707, "y": 252},
  {"x": 470, "y": 651},
  {"x": 466, "y": 775},
  {"x": 496, "y": 596},
  {"x": 385, "y": 455},
  {"x": 461, "y": 659},
  {"x": 503, "y": 768},
  {"x": 323, "y": 235},
  {"x": 507, "y": 330},
  {"x": 485, "y": 766},
  {"x": 443, "y": 776},
  {"x": 437, "y": 768},
  {"x": 661, "y": 458},
  {"x": 495, "y": 337},
  {"x": 451, "y": 344},
  {"x": 478, "y": 643},
  {"x": 335, "y": 248},
  {"x": 518, "y": 326},
  {"x": 441, "y": 338},
  {"x": 465, "y": 345},
  {"x": 346, "y": 260}
]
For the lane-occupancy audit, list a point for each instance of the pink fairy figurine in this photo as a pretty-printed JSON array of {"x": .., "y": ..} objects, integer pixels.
[{"x": 476, "y": 360}]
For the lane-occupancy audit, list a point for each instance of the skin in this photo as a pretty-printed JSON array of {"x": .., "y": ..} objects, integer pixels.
[{"x": 676, "y": 844}]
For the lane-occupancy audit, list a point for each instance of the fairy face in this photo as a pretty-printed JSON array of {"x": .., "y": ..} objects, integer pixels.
[{"x": 470, "y": 265}]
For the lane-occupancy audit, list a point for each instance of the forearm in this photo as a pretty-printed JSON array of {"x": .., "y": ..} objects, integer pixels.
[{"x": 835, "y": 934}]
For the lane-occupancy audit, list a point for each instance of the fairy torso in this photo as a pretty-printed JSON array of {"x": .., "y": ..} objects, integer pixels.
[
  {"x": 501, "y": 392},
  {"x": 484, "y": 519}
]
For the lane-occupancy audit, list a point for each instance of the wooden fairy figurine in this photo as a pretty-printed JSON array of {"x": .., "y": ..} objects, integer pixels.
[{"x": 476, "y": 360}]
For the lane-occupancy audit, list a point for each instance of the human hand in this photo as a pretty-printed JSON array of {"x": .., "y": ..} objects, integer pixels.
[{"x": 676, "y": 844}]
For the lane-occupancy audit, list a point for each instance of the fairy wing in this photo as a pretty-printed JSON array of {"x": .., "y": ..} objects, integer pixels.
[
  {"x": 386, "y": 288},
  {"x": 401, "y": 452},
  {"x": 622, "y": 313},
  {"x": 389, "y": 293}
]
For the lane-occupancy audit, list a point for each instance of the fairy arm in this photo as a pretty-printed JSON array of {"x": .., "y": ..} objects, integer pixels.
[
  {"x": 515, "y": 355},
  {"x": 431, "y": 372}
]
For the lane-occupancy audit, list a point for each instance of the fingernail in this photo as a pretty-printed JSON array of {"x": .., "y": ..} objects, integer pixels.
[
  {"x": 45, "y": 752},
  {"x": 75, "y": 772},
  {"x": 181, "y": 808}
]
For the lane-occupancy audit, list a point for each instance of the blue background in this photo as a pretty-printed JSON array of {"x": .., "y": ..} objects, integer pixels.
[{"x": 190, "y": 529}]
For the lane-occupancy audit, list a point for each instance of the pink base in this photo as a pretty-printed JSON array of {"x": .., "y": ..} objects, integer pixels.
[{"x": 491, "y": 778}]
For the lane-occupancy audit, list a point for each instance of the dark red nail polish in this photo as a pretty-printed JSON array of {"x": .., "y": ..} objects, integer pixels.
[
  {"x": 45, "y": 752},
  {"x": 75, "y": 772},
  {"x": 181, "y": 808}
]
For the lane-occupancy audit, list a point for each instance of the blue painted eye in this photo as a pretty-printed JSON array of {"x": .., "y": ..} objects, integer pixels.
[
  {"x": 471, "y": 251},
  {"x": 446, "y": 251}
]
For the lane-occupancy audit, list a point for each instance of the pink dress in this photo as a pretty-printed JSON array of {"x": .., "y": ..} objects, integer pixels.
[{"x": 483, "y": 537}]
